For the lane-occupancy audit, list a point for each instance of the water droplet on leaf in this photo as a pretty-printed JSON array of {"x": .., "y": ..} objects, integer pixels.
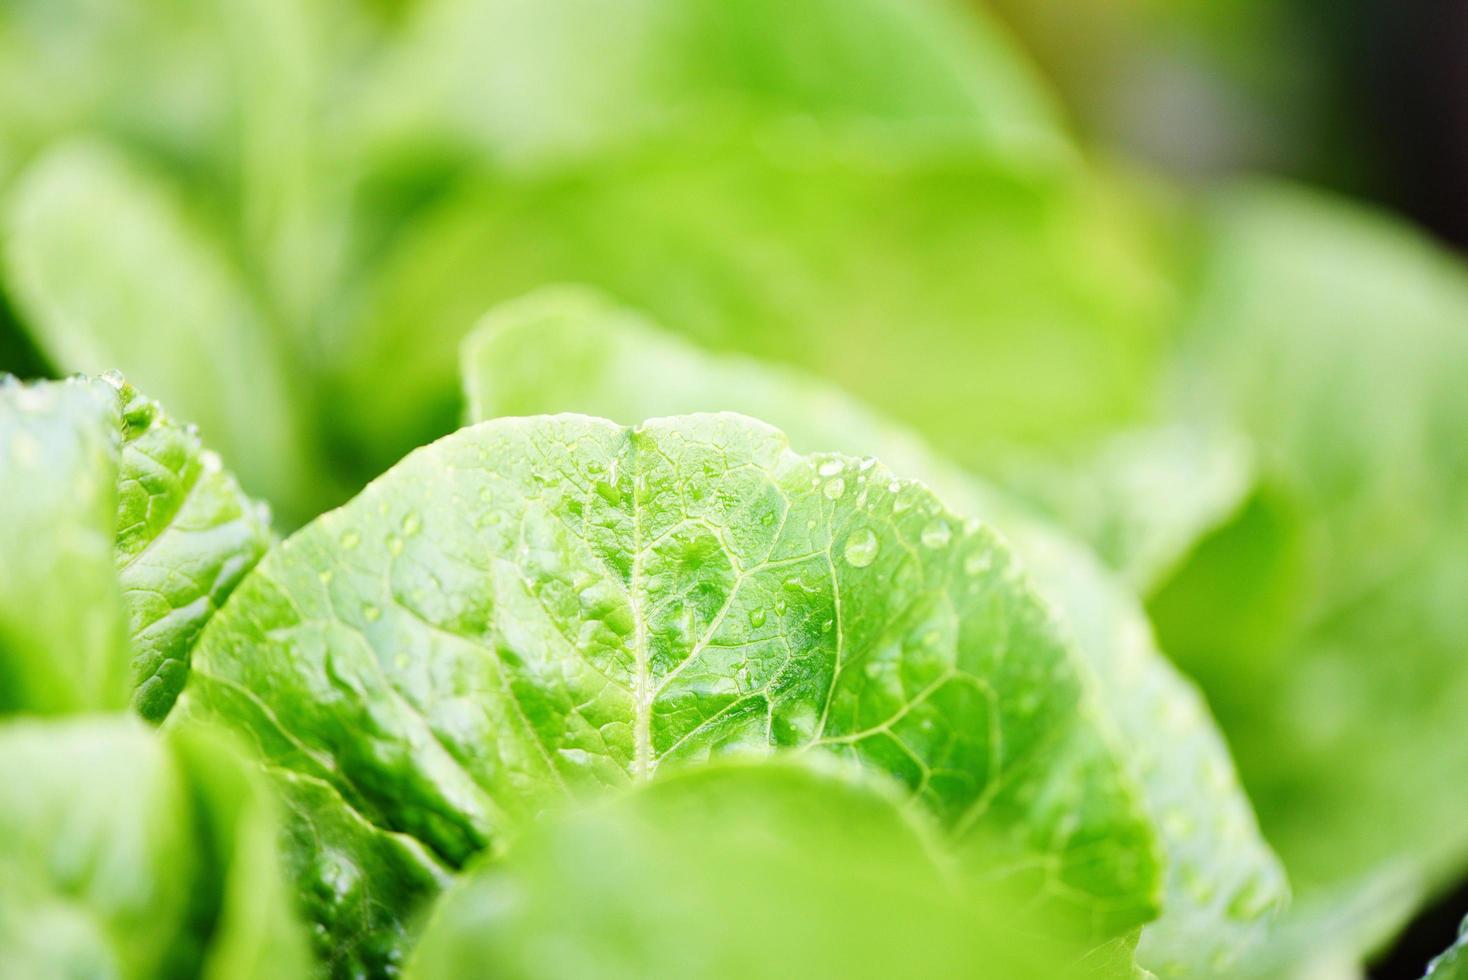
[
  {"x": 937, "y": 533},
  {"x": 861, "y": 548}
]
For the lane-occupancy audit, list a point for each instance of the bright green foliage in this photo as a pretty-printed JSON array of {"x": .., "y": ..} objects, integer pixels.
[
  {"x": 98, "y": 299},
  {"x": 122, "y": 535},
  {"x": 569, "y": 349},
  {"x": 1145, "y": 497},
  {"x": 1029, "y": 303},
  {"x": 321, "y": 166},
  {"x": 535, "y": 610},
  {"x": 575, "y": 76},
  {"x": 124, "y": 855},
  {"x": 62, "y": 626},
  {"x": 186, "y": 535},
  {"x": 677, "y": 879},
  {"x": 1327, "y": 621}
]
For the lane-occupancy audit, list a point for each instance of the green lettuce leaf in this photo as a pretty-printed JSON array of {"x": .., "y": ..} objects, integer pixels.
[
  {"x": 1144, "y": 498},
  {"x": 571, "y": 349},
  {"x": 125, "y": 855},
  {"x": 533, "y": 611},
  {"x": 150, "y": 292},
  {"x": 813, "y": 874},
  {"x": 186, "y": 536},
  {"x": 532, "y": 84},
  {"x": 63, "y": 637},
  {"x": 1326, "y": 620},
  {"x": 122, "y": 536},
  {"x": 1029, "y": 305}
]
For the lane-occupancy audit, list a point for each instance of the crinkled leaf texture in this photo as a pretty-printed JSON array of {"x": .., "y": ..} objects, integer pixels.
[
  {"x": 568, "y": 348},
  {"x": 122, "y": 535},
  {"x": 732, "y": 869},
  {"x": 186, "y": 536},
  {"x": 532, "y": 611},
  {"x": 123, "y": 854}
]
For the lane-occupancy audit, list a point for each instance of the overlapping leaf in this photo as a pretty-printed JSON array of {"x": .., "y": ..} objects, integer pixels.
[
  {"x": 569, "y": 349},
  {"x": 122, "y": 536},
  {"x": 125, "y": 855},
  {"x": 533, "y": 611}
]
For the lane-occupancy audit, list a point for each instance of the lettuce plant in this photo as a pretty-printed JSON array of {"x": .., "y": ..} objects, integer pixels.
[
  {"x": 902, "y": 666},
  {"x": 129, "y": 855}
]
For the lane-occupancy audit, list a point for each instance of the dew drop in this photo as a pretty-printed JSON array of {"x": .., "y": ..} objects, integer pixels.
[
  {"x": 372, "y": 613},
  {"x": 835, "y": 489},
  {"x": 861, "y": 548},
  {"x": 350, "y": 539},
  {"x": 937, "y": 533},
  {"x": 830, "y": 467},
  {"x": 756, "y": 618},
  {"x": 978, "y": 562},
  {"x": 412, "y": 523},
  {"x": 395, "y": 544}
]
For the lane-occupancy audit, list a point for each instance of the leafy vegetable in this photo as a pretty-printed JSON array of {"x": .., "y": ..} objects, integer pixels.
[
  {"x": 632, "y": 888},
  {"x": 1145, "y": 497},
  {"x": 534, "y": 610},
  {"x": 97, "y": 302},
  {"x": 1325, "y": 620},
  {"x": 517, "y": 664},
  {"x": 596, "y": 76},
  {"x": 569, "y": 349},
  {"x": 62, "y": 627},
  {"x": 803, "y": 246},
  {"x": 124, "y": 855},
  {"x": 122, "y": 537}
]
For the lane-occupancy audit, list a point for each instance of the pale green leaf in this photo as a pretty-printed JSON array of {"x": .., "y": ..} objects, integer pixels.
[
  {"x": 570, "y": 349},
  {"x": 186, "y": 535},
  {"x": 986, "y": 305},
  {"x": 147, "y": 292},
  {"x": 122, "y": 535},
  {"x": 1143, "y": 498},
  {"x": 1327, "y": 620},
  {"x": 125, "y": 855},
  {"x": 63, "y": 640},
  {"x": 531, "y": 82},
  {"x": 730, "y": 870},
  {"x": 533, "y": 611}
]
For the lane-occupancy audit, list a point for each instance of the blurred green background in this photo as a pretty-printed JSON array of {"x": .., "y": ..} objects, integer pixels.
[{"x": 1081, "y": 248}]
